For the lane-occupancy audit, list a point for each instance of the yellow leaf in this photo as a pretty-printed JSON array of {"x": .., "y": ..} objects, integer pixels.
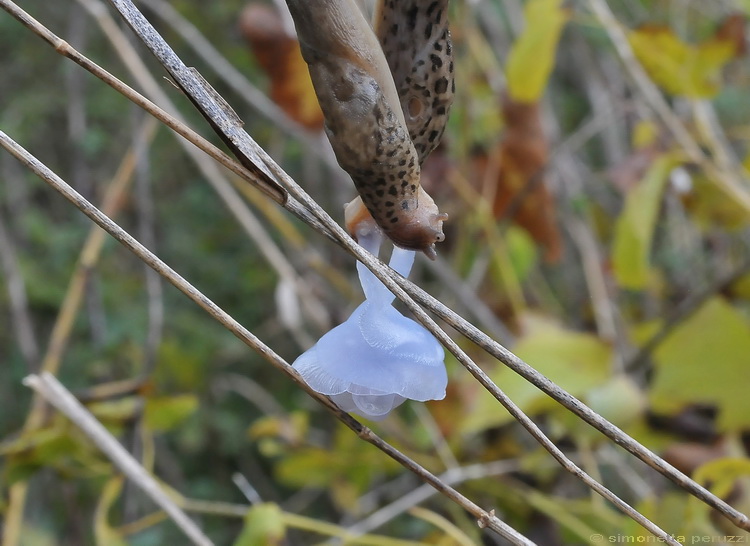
[
  {"x": 635, "y": 225},
  {"x": 705, "y": 361},
  {"x": 710, "y": 206},
  {"x": 532, "y": 56},
  {"x": 103, "y": 531},
  {"x": 576, "y": 361},
  {"x": 619, "y": 400},
  {"x": 291, "y": 428},
  {"x": 721, "y": 474},
  {"x": 645, "y": 133},
  {"x": 118, "y": 410},
  {"x": 670, "y": 511},
  {"x": 739, "y": 289},
  {"x": 678, "y": 67}
]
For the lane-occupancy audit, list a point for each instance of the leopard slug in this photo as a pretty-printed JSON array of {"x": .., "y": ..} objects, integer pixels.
[
  {"x": 365, "y": 122},
  {"x": 417, "y": 44}
]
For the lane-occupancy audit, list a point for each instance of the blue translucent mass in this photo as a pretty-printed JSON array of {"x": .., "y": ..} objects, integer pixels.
[{"x": 378, "y": 358}]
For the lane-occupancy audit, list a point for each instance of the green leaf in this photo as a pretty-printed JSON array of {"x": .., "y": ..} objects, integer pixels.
[
  {"x": 576, "y": 361},
  {"x": 532, "y": 56},
  {"x": 165, "y": 413},
  {"x": 635, "y": 225},
  {"x": 522, "y": 251},
  {"x": 264, "y": 526},
  {"x": 59, "y": 447},
  {"x": 705, "y": 361},
  {"x": 114, "y": 411}
]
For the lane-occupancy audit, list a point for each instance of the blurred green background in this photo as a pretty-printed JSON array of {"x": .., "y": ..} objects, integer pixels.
[{"x": 585, "y": 234}]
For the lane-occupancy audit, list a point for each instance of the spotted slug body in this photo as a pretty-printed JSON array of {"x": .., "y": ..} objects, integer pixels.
[
  {"x": 417, "y": 44},
  {"x": 364, "y": 120}
]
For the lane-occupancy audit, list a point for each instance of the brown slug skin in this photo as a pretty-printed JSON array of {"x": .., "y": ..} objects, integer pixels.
[
  {"x": 364, "y": 120},
  {"x": 417, "y": 44}
]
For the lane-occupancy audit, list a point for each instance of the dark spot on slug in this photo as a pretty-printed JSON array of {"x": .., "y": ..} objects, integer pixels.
[
  {"x": 441, "y": 86},
  {"x": 411, "y": 17}
]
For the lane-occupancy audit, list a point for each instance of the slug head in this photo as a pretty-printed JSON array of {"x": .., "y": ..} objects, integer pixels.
[{"x": 420, "y": 227}]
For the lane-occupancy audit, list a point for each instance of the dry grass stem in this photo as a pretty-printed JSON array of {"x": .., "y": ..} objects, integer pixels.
[{"x": 47, "y": 386}]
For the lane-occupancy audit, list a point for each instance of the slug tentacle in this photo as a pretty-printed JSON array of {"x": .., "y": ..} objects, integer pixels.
[{"x": 365, "y": 122}]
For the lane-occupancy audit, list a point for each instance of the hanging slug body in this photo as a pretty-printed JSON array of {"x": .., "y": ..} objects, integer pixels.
[
  {"x": 417, "y": 44},
  {"x": 364, "y": 120}
]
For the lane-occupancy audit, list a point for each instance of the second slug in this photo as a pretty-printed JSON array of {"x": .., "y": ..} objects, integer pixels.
[{"x": 365, "y": 122}]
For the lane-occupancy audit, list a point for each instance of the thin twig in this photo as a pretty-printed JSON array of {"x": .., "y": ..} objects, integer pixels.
[
  {"x": 47, "y": 386},
  {"x": 64, "y": 49},
  {"x": 19, "y": 307},
  {"x": 147, "y": 233},
  {"x": 228, "y": 194},
  {"x": 416, "y": 496},
  {"x": 63, "y": 326},
  {"x": 88, "y": 258},
  {"x": 486, "y": 519},
  {"x": 237, "y": 81}
]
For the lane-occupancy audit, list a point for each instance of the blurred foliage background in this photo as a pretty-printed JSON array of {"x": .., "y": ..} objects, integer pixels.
[{"x": 599, "y": 210}]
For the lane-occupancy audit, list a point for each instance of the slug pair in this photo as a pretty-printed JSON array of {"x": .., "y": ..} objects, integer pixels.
[{"x": 385, "y": 96}]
